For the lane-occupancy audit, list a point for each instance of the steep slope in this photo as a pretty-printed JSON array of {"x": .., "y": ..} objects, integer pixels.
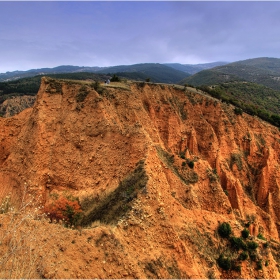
[
  {"x": 15, "y": 105},
  {"x": 156, "y": 169},
  {"x": 30, "y": 86}
]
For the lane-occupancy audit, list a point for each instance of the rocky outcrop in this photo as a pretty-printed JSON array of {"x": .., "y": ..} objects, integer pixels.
[
  {"x": 15, "y": 105},
  {"x": 200, "y": 165}
]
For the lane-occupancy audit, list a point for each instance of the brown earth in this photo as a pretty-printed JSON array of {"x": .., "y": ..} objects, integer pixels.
[
  {"x": 156, "y": 168},
  {"x": 15, "y": 105}
]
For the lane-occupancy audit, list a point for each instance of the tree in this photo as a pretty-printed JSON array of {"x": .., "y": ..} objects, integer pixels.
[
  {"x": 115, "y": 78},
  {"x": 224, "y": 263},
  {"x": 64, "y": 209},
  {"x": 224, "y": 230}
]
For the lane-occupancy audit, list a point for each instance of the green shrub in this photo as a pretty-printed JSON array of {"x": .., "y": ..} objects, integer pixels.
[
  {"x": 191, "y": 164},
  {"x": 5, "y": 205},
  {"x": 64, "y": 209},
  {"x": 224, "y": 230},
  {"x": 238, "y": 111},
  {"x": 182, "y": 155},
  {"x": 245, "y": 233},
  {"x": 243, "y": 256},
  {"x": 98, "y": 88},
  {"x": 247, "y": 224},
  {"x": 224, "y": 263},
  {"x": 235, "y": 266},
  {"x": 95, "y": 85},
  {"x": 213, "y": 175},
  {"x": 115, "y": 78},
  {"x": 237, "y": 243},
  {"x": 253, "y": 256},
  {"x": 81, "y": 96},
  {"x": 266, "y": 245},
  {"x": 259, "y": 265},
  {"x": 260, "y": 236},
  {"x": 252, "y": 245},
  {"x": 236, "y": 159}
]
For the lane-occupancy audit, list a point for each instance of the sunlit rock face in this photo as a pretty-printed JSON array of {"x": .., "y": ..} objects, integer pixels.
[{"x": 156, "y": 169}]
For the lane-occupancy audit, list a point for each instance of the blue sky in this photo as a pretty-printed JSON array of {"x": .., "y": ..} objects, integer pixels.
[{"x": 104, "y": 33}]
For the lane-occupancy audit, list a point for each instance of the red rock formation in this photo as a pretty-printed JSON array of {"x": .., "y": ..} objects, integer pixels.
[{"x": 159, "y": 219}]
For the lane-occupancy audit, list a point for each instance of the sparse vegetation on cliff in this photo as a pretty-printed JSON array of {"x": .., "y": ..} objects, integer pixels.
[
  {"x": 224, "y": 230},
  {"x": 224, "y": 263},
  {"x": 160, "y": 217},
  {"x": 248, "y": 98},
  {"x": 116, "y": 204},
  {"x": 245, "y": 233},
  {"x": 83, "y": 92},
  {"x": 234, "y": 245},
  {"x": 236, "y": 159},
  {"x": 64, "y": 209},
  {"x": 53, "y": 86}
]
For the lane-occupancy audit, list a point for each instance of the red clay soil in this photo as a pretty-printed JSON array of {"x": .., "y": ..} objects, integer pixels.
[{"x": 156, "y": 169}]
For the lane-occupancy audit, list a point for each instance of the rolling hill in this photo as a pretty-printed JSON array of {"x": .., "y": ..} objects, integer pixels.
[
  {"x": 264, "y": 71},
  {"x": 194, "y": 68},
  {"x": 156, "y": 72},
  {"x": 15, "y": 75}
]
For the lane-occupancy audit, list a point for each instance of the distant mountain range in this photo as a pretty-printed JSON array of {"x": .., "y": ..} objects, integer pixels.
[
  {"x": 15, "y": 75},
  {"x": 168, "y": 72},
  {"x": 194, "y": 68}
]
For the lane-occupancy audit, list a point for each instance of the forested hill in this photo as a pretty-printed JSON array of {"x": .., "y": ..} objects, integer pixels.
[
  {"x": 263, "y": 71},
  {"x": 155, "y": 72},
  {"x": 15, "y": 75},
  {"x": 194, "y": 68}
]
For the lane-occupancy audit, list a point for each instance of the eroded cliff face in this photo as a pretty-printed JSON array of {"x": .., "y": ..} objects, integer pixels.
[
  {"x": 156, "y": 168},
  {"x": 13, "y": 106}
]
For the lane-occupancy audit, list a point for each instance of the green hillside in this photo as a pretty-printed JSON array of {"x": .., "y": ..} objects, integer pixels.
[
  {"x": 263, "y": 71},
  {"x": 209, "y": 77},
  {"x": 249, "y": 97},
  {"x": 268, "y": 64},
  {"x": 194, "y": 68},
  {"x": 15, "y": 75},
  {"x": 157, "y": 73}
]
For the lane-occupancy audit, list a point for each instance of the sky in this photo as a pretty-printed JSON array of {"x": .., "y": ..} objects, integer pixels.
[{"x": 41, "y": 34}]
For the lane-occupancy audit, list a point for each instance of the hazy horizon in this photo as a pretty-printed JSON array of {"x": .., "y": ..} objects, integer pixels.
[{"x": 107, "y": 33}]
